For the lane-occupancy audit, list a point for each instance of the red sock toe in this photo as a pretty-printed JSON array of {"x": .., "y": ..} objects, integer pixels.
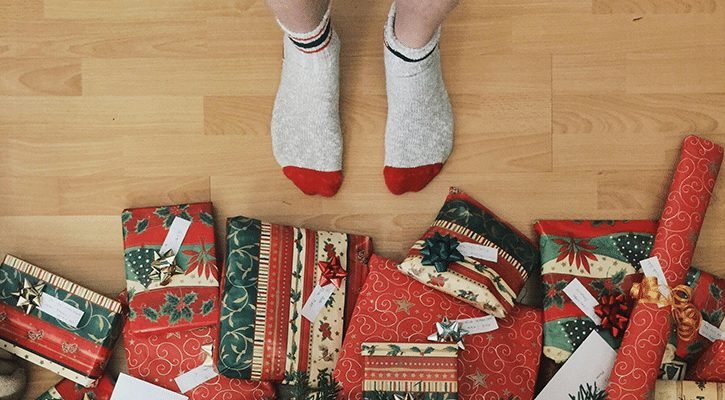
[
  {"x": 402, "y": 180},
  {"x": 313, "y": 182}
]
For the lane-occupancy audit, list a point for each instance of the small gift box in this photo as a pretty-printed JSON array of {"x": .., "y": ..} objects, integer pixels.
[
  {"x": 604, "y": 257},
  {"x": 500, "y": 363},
  {"x": 171, "y": 270},
  {"x": 55, "y": 323},
  {"x": 161, "y": 359},
  {"x": 69, "y": 390},
  {"x": 401, "y": 369},
  {"x": 679, "y": 390},
  {"x": 471, "y": 254},
  {"x": 270, "y": 273}
]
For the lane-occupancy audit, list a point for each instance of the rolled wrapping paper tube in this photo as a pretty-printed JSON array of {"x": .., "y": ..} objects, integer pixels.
[
  {"x": 635, "y": 371},
  {"x": 711, "y": 365}
]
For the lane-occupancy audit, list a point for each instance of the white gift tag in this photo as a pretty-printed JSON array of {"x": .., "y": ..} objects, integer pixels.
[
  {"x": 316, "y": 302},
  {"x": 479, "y": 325},
  {"x": 651, "y": 267},
  {"x": 60, "y": 310},
  {"x": 177, "y": 232},
  {"x": 195, "y": 377},
  {"x": 583, "y": 299},
  {"x": 130, "y": 388},
  {"x": 479, "y": 251},
  {"x": 711, "y": 332}
]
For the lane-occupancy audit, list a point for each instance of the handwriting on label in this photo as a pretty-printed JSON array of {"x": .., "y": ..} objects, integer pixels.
[
  {"x": 60, "y": 310},
  {"x": 316, "y": 302},
  {"x": 583, "y": 299},
  {"x": 479, "y": 325},
  {"x": 479, "y": 251},
  {"x": 195, "y": 377},
  {"x": 175, "y": 237}
]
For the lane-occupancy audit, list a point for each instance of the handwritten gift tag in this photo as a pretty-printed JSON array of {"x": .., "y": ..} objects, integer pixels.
[
  {"x": 479, "y": 325},
  {"x": 652, "y": 267},
  {"x": 583, "y": 299},
  {"x": 711, "y": 332},
  {"x": 175, "y": 237},
  {"x": 130, "y": 388},
  {"x": 195, "y": 377},
  {"x": 485, "y": 253},
  {"x": 60, "y": 310},
  {"x": 316, "y": 302}
]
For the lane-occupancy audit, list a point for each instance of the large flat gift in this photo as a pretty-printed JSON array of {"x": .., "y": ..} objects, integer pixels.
[
  {"x": 55, "y": 323},
  {"x": 604, "y": 257},
  {"x": 500, "y": 363},
  {"x": 470, "y": 253},
  {"x": 271, "y": 272},
  {"x": 171, "y": 269},
  {"x": 69, "y": 390}
]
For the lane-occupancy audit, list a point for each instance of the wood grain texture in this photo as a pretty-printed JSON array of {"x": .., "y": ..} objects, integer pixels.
[{"x": 564, "y": 109}]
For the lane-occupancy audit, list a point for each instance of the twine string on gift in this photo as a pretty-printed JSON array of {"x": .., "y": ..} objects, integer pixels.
[{"x": 687, "y": 318}]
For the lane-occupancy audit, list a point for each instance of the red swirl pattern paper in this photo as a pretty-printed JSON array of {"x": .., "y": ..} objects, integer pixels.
[
  {"x": 711, "y": 366},
  {"x": 635, "y": 372},
  {"x": 395, "y": 308}
]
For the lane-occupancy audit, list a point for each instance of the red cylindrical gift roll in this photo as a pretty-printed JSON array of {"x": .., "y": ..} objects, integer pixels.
[
  {"x": 635, "y": 372},
  {"x": 711, "y": 366}
]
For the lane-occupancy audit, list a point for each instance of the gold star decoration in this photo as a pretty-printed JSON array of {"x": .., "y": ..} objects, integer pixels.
[
  {"x": 479, "y": 378},
  {"x": 29, "y": 295},
  {"x": 403, "y": 304},
  {"x": 208, "y": 349},
  {"x": 165, "y": 267}
]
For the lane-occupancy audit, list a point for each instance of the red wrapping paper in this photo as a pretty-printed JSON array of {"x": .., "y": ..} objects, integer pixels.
[
  {"x": 635, "y": 372},
  {"x": 711, "y": 366},
  {"x": 395, "y": 308},
  {"x": 69, "y": 390}
]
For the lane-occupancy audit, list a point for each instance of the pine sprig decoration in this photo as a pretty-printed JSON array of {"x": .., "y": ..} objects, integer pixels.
[
  {"x": 327, "y": 388},
  {"x": 301, "y": 389},
  {"x": 590, "y": 393}
]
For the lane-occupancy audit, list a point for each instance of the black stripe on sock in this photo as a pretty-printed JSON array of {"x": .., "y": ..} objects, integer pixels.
[
  {"x": 404, "y": 58},
  {"x": 320, "y": 40}
]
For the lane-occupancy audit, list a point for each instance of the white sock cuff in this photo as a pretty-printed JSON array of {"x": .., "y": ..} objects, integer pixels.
[
  {"x": 398, "y": 48},
  {"x": 313, "y": 33}
]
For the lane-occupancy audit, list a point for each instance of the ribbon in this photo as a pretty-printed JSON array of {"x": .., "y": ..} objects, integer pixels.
[
  {"x": 613, "y": 311},
  {"x": 332, "y": 272},
  {"x": 687, "y": 317},
  {"x": 208, "y": 350},
  {"x": 447, "y": 331},
  {"x": 165, "y": 267},
  {"x": 440, "y": 251},
  {"x": 29, "y": 295}
]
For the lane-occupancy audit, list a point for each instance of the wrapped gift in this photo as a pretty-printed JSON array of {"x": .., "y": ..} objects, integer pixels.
[
  {"x": 469, "y": 253},
  {"x": 171, "y": 270},
  {"x": 707, "y": 296},
  {"x": 640, "y": 355},
  {"x": 69, "y": 390},
  {"x": 270, "y": 272},
  {"x": 55, "y": 323},
  {"x": 711, "y": 365},
  {"x": 402, "y": 368},
  {"x": 679, "y": 390},
  {"x": 501, "y": 363},
  {"x": 160, "y": 359},
  {"x": 604, "y": 256}
]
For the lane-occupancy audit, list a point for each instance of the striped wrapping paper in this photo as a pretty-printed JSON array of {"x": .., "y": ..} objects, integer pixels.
[
  {"x": 270, "y": 271},
  {"x": 78, "y": 353},
  {"x": 401, "y": 368},
  {"x": 490, "y": 286}
]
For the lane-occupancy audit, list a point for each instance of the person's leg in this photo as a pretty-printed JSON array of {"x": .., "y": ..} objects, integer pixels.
[
  {"x": 306, "y": 134},
  {"x": 419, "y": 129}
]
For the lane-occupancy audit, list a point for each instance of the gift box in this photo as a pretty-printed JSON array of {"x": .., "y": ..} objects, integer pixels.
[
  {"x": 711, "y": 365},
  {"x": 270, "y": 273},
  {"x": 69, "y": 390},
  {"x": 604, "y": 256},
  {"x": 161, "y": 358},
  {"x": 641, "y": 353},
  {"x": 678, "y": 390},
  {"x": 392, "y": 307},
  {"x": 470, "y": 253},
  {"x": 177, "y": 290},
  {"x": 410, "y": 368},
  {"x": 55, "y": 323}
]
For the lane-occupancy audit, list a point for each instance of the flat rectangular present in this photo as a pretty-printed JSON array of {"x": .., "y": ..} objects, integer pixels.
[
  {"x": 167, "y": 297},
  {"x": 50, "y": 338},
  {"x": 69, "y": 390},
  {"x": 402, "y": 368},
  {"x": 270, "y": 272}
]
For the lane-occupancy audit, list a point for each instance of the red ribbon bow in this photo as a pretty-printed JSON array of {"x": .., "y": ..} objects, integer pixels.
[
  {"x": 614, "y": 312},
  {"x": 332, "y": 272}
]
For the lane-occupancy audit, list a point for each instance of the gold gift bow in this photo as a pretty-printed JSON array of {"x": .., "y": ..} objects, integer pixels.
[{"x": 687, "y": 317}]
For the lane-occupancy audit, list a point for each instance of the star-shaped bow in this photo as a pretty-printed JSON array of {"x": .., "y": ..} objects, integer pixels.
[
  {"x": 332, "y": 272},
  {"x": 165, "y": 267},
  {"x": 440, "y": 251},
  {"x": 29, "y": 295},
  {"x": 447, "y": 331}
]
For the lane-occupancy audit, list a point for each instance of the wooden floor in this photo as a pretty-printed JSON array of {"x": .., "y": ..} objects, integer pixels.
[{"x": 563, "y": 108}]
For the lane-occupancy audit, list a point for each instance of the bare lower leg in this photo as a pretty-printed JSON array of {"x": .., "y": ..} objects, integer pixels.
[
  {"x": 417, "y": 20},
  {"x": 299, "y": 16}
]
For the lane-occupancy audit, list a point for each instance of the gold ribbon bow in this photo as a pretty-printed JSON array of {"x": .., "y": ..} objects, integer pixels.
[{"x": 687, "y": 317}]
